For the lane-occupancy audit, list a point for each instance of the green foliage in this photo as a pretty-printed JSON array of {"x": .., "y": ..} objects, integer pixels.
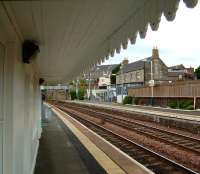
[
  {"x": 116, "y": 69},
  {"x": 114, "y": 72},
  {"x": 197, "y": 71},
  {"x": 182, "y": 104},
  {"x": 113, "y": 79},
  {"x": 81, "y": 94},
  {"x": 71, "y": 83},
  {"x": 135, "y": 100},
  {"x": 185, "y": 104},
  {"x": 82, "y": 84},
  {"x": 173, "y": 104},
  {"x": 73, "y": 95},
  {"x": 128, "y": 100},
  {"x": 190, "y": 107}
]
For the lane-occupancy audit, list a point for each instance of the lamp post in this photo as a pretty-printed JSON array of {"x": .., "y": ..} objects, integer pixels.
[
  {"x": 115, "y": 86},
  {"x": 144, "y": 78},
  {"x": 89, "y": 86},
  {"x": 77, "y": 81},
  {"x": 122, "y": 91},
  {"x": 152, "y": 83}
]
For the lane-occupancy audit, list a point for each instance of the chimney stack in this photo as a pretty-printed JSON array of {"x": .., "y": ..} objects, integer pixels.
[
  {"x": 155, "y": 53},
  {"x": 125, "y": 61}
]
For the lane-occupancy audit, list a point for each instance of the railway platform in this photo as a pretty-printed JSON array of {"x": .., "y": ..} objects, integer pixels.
[
  {"x": 183, "y": 120},
  {"x": 60, "y": 151},
  {"x": 164, "y": 112},
  {"x": 66, "y": 146}
]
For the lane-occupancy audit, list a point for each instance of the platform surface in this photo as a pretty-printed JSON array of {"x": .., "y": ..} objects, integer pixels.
[
  {"x": 60, "y": 152},
  {"x": 112, "y": 159}
]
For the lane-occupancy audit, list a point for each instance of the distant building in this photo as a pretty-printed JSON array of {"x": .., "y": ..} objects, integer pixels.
[
  {"x": 59, "y": 92},
  {"x": 103, "y": 82},
  {"x": 179, "y": 72},
  {"x": 100, "y": 85},
  {"x": 100, "y": 75},
  {"x": 140, "y": 73}
]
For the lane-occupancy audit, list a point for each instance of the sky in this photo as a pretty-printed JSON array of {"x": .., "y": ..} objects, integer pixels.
[{"x": 178, "y": 41}]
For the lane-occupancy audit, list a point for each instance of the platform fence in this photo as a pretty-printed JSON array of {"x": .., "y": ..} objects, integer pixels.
[{"x": 163, "y": 94}]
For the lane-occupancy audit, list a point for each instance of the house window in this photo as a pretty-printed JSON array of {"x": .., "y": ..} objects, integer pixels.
[
  {"x": 120, "y": 79},
  {"x": 137, "y": 75},
  {"x": 124, "y": 77}
]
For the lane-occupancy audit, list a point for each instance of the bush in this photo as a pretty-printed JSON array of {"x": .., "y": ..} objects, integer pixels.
[
  {"x": 197, "y": 71},
  {"x": 190, "y": 107},
  {"x": 186, "y": 104},
  {"x": 173, "y": 104},
  {"x": 128, "y": 100},
  {"x": 183, "y": 104},
  {"x": 73, "y": 95},
  {"x": 114, "y": 72},
  {"x": 81, "y": 94},
  {"x": 135, "y": 100}
]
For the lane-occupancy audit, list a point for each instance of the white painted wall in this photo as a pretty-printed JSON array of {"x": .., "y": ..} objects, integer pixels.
[
  {"x": 104, "y": 81},
  {"x": 20, "y": 105},
  {"x": 2, "y": 53},
  {"x": 22, "y": 114},
  {"x": 119, "y": 98}
]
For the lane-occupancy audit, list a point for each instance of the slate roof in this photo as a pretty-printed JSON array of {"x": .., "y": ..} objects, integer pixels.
[
  {"x": 105, "y": 68},
  {"x": 99, "y": 70},
  {"x": 177, "y": 67},
  {"x": 135, "y": 65}
]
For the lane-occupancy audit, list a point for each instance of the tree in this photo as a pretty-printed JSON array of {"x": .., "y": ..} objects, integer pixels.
[
  {"x": 114, "y": 73},
  {"x": 197, "y": 71},
  {"x": 73, "y": 95},
  {"x": 81, "y": 94},
  {"x": 82, "y": 84},
  {"x": 128, "y": 100},
  {"x": 82, "y": 87}
]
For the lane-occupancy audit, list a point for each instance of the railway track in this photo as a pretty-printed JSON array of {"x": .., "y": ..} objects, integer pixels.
[
  {"x": 176, "y": 139},
  {"x": 150, "y": 159}
]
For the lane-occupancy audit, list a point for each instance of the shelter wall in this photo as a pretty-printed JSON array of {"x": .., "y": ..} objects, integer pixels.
[{"x": 20, "y": 105}]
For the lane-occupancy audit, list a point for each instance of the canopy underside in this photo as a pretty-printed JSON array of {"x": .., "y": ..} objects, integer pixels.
[{"x": 75, "y": 35}]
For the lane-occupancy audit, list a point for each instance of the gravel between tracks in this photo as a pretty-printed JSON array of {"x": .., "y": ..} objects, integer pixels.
[{"x": 188, "y": 159}]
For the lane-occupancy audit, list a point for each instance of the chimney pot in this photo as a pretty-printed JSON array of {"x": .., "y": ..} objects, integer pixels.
[
  {"x": 125, "y": 61},
  {"x": 155, "y": 53}
]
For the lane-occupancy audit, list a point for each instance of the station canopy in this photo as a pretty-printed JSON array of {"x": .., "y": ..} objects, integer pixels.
[{"x": 75, "y": 35}]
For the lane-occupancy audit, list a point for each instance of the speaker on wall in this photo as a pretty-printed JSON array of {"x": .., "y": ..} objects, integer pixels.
[
  {"x": 29, "y": 49},
  {"x": 41, "y": 81}
]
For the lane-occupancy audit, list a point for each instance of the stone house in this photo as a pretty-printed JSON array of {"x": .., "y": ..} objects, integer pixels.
[
  {"x": 140, "y": 73},
  {"x": 179, "y": 72},
  {"x": 100, "y": 75}
]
